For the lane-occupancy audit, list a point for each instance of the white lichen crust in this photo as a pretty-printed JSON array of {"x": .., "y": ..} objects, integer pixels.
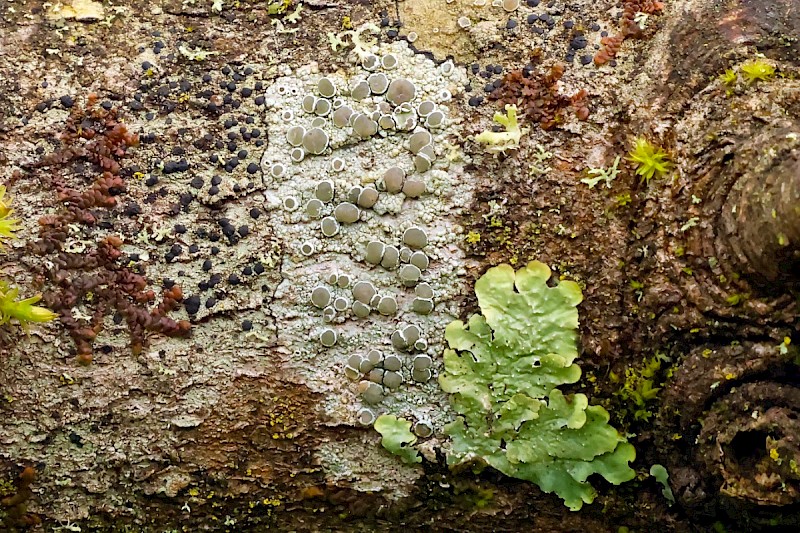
[{"x": 411, "y": 233}]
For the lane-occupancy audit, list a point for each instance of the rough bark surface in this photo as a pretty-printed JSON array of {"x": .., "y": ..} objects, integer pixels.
[{"x": 690, "y": 280}]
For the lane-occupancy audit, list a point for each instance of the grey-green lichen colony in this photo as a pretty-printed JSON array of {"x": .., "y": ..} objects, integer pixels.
[{"x": 364, "y": 177}]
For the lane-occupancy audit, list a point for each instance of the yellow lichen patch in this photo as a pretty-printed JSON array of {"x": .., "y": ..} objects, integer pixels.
[
  {"x": 81, "y": 10},
  {"x": 283, "y": 416},
  {"x": 436, "y": 24}
]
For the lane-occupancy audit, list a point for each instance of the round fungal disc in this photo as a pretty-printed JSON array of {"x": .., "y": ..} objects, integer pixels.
[
  {"x": 398, "y": 341},
  {"x": 309, "y": 101},
  {"x": 374, "y": 252},
  {"x": 410, "y": 274},
  {"x": 414, "y": 188},
  {"x": 368, "y": 197},
  {"x": 314, "y": 208},
  {"x": 366, "y": 365},
  {"x": 361, "y": 310},
  {"x": 371, "y": 62},
  {"x": 360, "y": 90},
  {"x": 386, "y": 122},
  {"x": 411, "y": 334},
  {"x": 346, "y": 213},
  {"x": 297, "y": 155},
  {"x": 387, "y": 306},
  {"x": 392, "y": 380},
  {"x": 341, "y": 117},
  {"x": 337, "y": 164},
  {"x": 425, "y": 108},
  {"x": 375, "y": 301},
  {"x": 318, "y": 122},
  {"x": 328, "y": 337},
  {"x": 423, "y": 429},
  {"x": 401, "y": 91},
  {"x": 329, "y": 226},
  {"x": 363, "y": 291},
  {"x": 332, "y": 278},
  {"x": 364, "y": 126},
  {"x": 315, "y": 141},
  {"x": 464, "y": 22},
  {"x": 422, "y": 362},
  {"x": 294, "y": 135},
  {"x": 343, "y": 281},
  {"x": 324, "y": 191},
  {"x": 326, "y": 87},
  {"x": 366, "y": 417},
  {"x": 328, "y": 314},
  {"x": 322, "y": 107},
  {"x": 341, "y": 304},
  {"x": 405, "y": 254},
  {"x": 510, "y": 5},
  {"x": 415, "y": 238},
  {"x": 421, "y": 345},
  {"x": 435, "y": 119},
  {"x": 393, "y": 363},
  {"x": 376, "y": 375},
  {"x": 277, "y": 170},
  {"x": 351, "y": 373},
  {"x": 290, "y": 203},
  {"x": 307, "y": 248},
  {"x": 391, "y": 258},
  {"x": 419, "y": 260},
  {"x": 422, "y": 306},
  {"x": 423, "y": 290},
  {"x": 375, "y": 357},
  {"x": 421, "y": 376},
  {"x": 353, "y": 193},
  {"x": 447, "y": 68},
  {"x": 287, "y": 115},
  {"x": 428, "y": 151},
  {"x": 422, "y": 163},
  {"x": 378, "y": 83},
  {"x": 321, "y": 297},
  {"x": 393, "y": 180},
  {"x": 418, "y": 140},
  {"x": 372, "y": 393},
  {"x": 354, "y": 360},
  {"x": 389, "y": 61}
]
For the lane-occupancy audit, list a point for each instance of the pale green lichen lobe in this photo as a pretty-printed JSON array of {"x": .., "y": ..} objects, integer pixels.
[{"x": 502, "y": 371}]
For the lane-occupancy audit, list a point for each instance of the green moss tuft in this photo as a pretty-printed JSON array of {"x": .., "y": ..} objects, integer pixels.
[
  {"x": 757, "y": 70},
  {"x": 650, "y": 160}
]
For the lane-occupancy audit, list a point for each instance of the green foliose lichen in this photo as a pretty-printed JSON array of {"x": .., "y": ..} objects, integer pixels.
[
  {"x": 397, "y": 437},
  {"x": 502, "y": 371}
]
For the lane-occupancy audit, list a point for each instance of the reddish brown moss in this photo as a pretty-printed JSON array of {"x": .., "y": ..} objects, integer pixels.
[
  {"x": 95, "y": 277},
  {"x": 628, "y": 28},
  {"x": 537, "y": 97}
]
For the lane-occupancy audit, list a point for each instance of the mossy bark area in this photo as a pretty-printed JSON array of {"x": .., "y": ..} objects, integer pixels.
[{"x": 218, "y": 432}]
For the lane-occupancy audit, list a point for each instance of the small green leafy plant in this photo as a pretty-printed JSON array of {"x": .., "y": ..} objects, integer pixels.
[
  {"x": 757, "y": 70},
  {"x": 8, "y": 225},
  {"x": 502, "y": 371},
  {"x": 23, "y": 311},
  {"x": 651, "y": 161},
  {"x": 640, "y": 387},
  {"x": 397, "y": 437}
]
